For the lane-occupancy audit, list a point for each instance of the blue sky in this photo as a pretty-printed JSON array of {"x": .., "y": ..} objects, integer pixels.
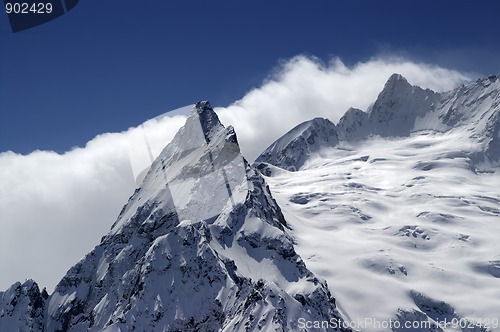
[{"x": 109, "y": 65}]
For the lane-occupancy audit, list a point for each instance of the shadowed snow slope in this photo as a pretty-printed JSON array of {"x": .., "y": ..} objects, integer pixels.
[{"x": 200, "y": 246}]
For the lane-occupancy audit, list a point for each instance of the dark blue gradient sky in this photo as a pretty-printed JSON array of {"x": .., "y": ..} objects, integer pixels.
[{"x": 111, "y": 64}]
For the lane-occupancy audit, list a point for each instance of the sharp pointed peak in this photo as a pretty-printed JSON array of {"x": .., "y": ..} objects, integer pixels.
[
  {"x": 397, "y": 77},
  {"x": 203, "y": 106},
  {"x": 204, "y": 117}
]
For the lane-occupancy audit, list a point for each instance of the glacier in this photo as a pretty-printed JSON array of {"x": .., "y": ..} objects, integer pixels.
[{"x": 403, "y": 214}]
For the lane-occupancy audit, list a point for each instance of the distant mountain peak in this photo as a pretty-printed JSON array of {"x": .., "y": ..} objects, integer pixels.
[
  {"x": 398, "y": 105},
  {"x": 201, "y": 246},
  {"x": 292, "y": 150},
  {"x": 203, "y": 105},
  {"x": 352, "y": 125},
  {"x": 396, "y": 80},
  {"x": 396, "y": 77},
  {"x": 396, "y": 86}
]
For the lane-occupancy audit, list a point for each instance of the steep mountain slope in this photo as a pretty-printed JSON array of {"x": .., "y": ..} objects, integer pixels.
[
  {"x": 398, "y": 106},
  {"x": 397, "y": 208},
  {"x": 352, "y": 126},
  {"x": 200, "y": 246},
  {"x": 474, "y": 111},
  {"x": 402, "y": 216},
  {"x": 394, "y": 113}
]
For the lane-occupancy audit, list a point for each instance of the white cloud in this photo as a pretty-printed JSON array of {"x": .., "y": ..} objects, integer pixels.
[
  {"x": 54, "y": 208},
  {"x": 304, "y": 88}
]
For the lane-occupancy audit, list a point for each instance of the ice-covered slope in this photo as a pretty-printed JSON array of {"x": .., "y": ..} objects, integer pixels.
[
  {"x": 200, "y": 246},
  {"x": 403, "y": 215},
  {"x": 399, "y": 228},
  {"x": 292, "y": 149}
]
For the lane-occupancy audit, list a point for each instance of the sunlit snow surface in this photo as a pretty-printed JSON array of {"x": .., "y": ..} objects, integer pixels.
[{"x": 385, "y": 221}]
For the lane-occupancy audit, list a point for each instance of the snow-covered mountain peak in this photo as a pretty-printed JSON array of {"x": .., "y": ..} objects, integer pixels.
[
  {"x": 396, "y": 81},
  {"x": 402, "y": 109},
  {"x": 206, "y": 117},
  {"x": 291, "y": 150},
  {"x": 398, "y": 105},
  {"x": 200, "y": 127},
  {"x": 194, "y": 177},
  {"x": 352, "y": 125},
  {"x": 201, "y": 246}
]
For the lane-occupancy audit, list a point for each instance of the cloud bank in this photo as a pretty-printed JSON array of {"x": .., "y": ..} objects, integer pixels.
[
  {"x": 304, "y": 88},
  {"x": 54, "y": 208}
]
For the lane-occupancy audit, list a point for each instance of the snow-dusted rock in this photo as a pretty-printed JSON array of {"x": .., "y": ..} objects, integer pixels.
[
  {"x": 400, "y": 219},
  {"x": 397, "y": 107},
  {"x": 394, "y": 112},
  {"x": 474, "y": 111}
]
